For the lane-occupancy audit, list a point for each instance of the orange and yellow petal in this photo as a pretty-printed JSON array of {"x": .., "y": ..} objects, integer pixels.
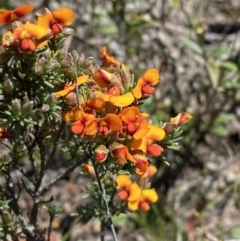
[
  {"x": 92, "y": 127},
  {"x": 140, "y": 144},
  {"x": 137, "y": 90},
  {"x": 155, "y": 133},
  {"x": 142, "y": 129},
  {"x": 7, "y": 16},
  {"x": 130, "y": 114},
  {"x": 45, "y": 20},
  {"x": 149, "y": 195},
  {"x": 108, "y": 60},
  {"x": 114, "y": 121},
  {"x": 122, "y": 100},
  {"x": 80, "y": 80},
  {"x": 134, "y": 193},
  {"x": 151, "y": 76},
  {"x": 30, "y": 30},
  {"x": 22, "y": 11},
  {"x": 102, "y": 78},
  {"x": 63, "y": 15},
  {"x": 73, "y": 115},
  {"x": 133, "y": 206},
  {"x": 123, "y": 181},
  {"x": 95, "y": 103}
]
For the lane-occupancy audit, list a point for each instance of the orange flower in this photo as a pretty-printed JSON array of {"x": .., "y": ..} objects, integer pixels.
[
  {"x": 108, "y": 60},
  {"x": 144, "y": 87},
  {"x": 136, "y": 197},
  {"x": 142, "y": 164},
  {"x": 78, "y": 127},
  {"x": 119, "y": 100},
  {"x": 137, "y": 125},
  {"x": 29, "y": 36},
  {"x": 154, "y": 134},
  {"x": 121, "y": 152},
  {"x": 147, "y": 196},
  {"x": 104, "y": 125},
  {"x": 7, "y": 16},
  {"x": 181, "y": 119},
  {"x": 128, "y": 190},
  {"x": 57, "y": 19}
]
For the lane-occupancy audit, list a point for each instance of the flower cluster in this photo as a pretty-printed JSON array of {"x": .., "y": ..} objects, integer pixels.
[
  {"x": 101, "y": 104},
  {"x": 109, "y": 116},
  {"x": 27, "y": 37}
]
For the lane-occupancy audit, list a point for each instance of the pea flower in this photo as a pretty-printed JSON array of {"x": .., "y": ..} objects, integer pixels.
[
  {"x": 145, "y": 83},
  {"x": 56, "y": 19},
  {"x": 27, "y": 36},
  {"x": 136, "y": 124},
  {"x": 121, "y": 152},
  {"x": 108, "y": 60},
  {"x": 8, "y": 16},
  {"x": 103, "y": 126},
  {"x": 128, "y": 191},
  {"x": 144, "y": 144}
]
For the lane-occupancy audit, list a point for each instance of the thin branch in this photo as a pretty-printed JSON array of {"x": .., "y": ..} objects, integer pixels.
[
  {"x": 60, "y": 132},
  {"x": 59, "y": 177},
  {"x": 102, "y": 192}
]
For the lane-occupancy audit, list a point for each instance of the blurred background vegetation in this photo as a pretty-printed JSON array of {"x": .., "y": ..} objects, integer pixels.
[{"x": 196, "y": 46}]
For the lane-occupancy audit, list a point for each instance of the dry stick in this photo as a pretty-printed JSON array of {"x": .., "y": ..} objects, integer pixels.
[{"x": 105, "y": 202}]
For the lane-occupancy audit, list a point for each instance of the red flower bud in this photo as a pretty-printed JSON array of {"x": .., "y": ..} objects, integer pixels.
[
  {"x": 101, "y": 153},
  {"x": 144, "y": 206},
  {"x": 27, "y": 45},
  {"x": 56, "y": 28},
  {"x": 154, "y": 150},
  {"x": 123, "y": 194},
  {"x": 147, "y": 90}
]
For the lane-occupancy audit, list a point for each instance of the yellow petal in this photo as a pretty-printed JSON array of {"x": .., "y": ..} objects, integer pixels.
[
  {"x": 149, "y": 195},
  {"x": 133, "y": 205},
  {"x": 63, "y": 15},
  {"x": 36, "y": 31},
  {"x": 123, "y": 181},
  {"x": 134, "y": 192},
  {"x": 155, "y": 133},
  {"x": 82, "y": 79},
  {"x": 122, "y": 100}
]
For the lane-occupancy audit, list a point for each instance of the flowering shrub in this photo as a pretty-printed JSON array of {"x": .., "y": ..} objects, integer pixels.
[{"x": 52, "y": 99}]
